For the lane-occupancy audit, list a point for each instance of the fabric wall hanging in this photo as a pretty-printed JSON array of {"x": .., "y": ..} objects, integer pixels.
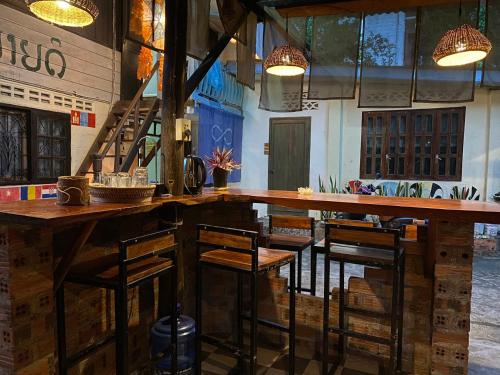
[
  {"x": 491, "y": 65},
  {"x": 282, "y": 94},
  {"x": 388, "y": 55},
  {"x": 231, "y": 12},
  {"x": 219, "y": 128},
  {"x": 334, "y": 57},
  {"x": 245, "y": 70},
  {"x": 147, "y": 22},
  {"x": 443, "y": 84},
  {"x": 198, "y": 31}
]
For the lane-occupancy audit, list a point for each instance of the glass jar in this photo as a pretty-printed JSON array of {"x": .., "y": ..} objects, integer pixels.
[{"x": 140, "y": 178}]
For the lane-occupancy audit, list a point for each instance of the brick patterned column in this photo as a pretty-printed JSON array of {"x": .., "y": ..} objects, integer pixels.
[
  {"x": 453, "y": 245},
  {"x": 27, "y": 338}
]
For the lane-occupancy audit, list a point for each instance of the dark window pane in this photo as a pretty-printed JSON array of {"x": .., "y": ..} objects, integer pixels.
[
  {"x": 402, "y": 145},
  {"x": 427, "y": 166},
  {"x": 392, "y": 145},
  {"x": 370, "y": 125},
  {"x": 428, "y": 123},
  {"x": 13, "y": 146},
  {"x": 443, "y": 144},
  {"x": 44, "y": 127},
  {"x": 58, "y": 166},
  {"x": 394, "y": 125},
  {"x": 392, "y": 169},
  {"x": 369, "y": 146},
  {"x": 368, "y": 166},
  {"x": 442, "y": 166},
  {"x": 44, "y": 169},
  {"x": 454, "y": 123},
  {"x": 418, "y": 124},
  {"x": 378, "y": 145},
  {"x": 377, "y": 165},
  {"x": 444, "y": 123},
  {"x": 453, "y": 167},
  {"x": 402, "y": 125},
  {"x": 58, "y": 148},
  {"x": 428, "y": 145},
  {"x": 453, "y": 144},
  {"x": 418, "y": 148},
  {"x": 401, "y": 166},
  {"x": 44, "y": 146},
  {"x": 58, "y": 129},
  {"x": 416, "y": 167},
  {"x": 379, "y": 125}
]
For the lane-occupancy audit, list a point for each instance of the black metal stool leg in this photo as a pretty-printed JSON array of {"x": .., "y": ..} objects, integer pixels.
[
  {"x": 199, "y": 289},
  {"x": 61, "y": 331},
  {"x": 240, "y": 320},
  {"x": 121, "y": 330},
  {"x": 314, "y": 262},
  {"x": 394, "y": 319},
  {"x": 299, "y": 270},
  {"x": 173, "y": 320},
  {"x": 326, "y": 316},
  {"x": 253, "y": 323},
  {"x": 401, "y": 312},
  {"x": 291, "y": 322},
  {"x": 341, "y": 349}
]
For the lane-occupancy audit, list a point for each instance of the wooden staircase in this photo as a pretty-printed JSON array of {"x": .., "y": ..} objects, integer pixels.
[{"x": 125, "y": 128}]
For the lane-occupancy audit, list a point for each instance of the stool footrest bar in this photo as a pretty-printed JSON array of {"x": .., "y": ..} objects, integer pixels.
[
  {"x": 224, "y": 345},
  {"x": 362, "y": 336},
  {"x": 368, "y": 313},
  {"x": 268, "y": 323}
]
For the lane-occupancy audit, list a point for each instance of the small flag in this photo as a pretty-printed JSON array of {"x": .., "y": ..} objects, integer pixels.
[
  {"x": 75, "y": 118},
  {"x": 49, "y": 191},
  {"x": 9, "y": 194},
  {"x": 24, "y": 193}
]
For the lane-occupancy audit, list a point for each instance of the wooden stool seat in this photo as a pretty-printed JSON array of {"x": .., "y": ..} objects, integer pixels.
[
  {"x": 364, "y": 255},
  {"x": 290, "y": 241},
  {"x": 106, "y": 268},
  {"x": 267, "y": 258}
]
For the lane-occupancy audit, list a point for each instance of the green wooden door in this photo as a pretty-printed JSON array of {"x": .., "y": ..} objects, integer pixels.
[{"x": 289, "y": 154}]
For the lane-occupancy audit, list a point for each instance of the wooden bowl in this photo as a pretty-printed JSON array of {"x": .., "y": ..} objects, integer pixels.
[{"x": 106, "y": 194}]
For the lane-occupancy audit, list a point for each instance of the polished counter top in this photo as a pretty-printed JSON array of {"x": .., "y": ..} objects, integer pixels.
[{"x": 48, "y": 212}]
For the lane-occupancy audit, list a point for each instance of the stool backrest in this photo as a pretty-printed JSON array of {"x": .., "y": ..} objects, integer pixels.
[
  {"x": 222, "y": 237},
  {"x": 409, "y": 231},
  {"x": 361, "y": 236},
  {"x": 291, "y": 222},
  {"x": 354, "y": 223},
  {"x": 149, "y": 245}
]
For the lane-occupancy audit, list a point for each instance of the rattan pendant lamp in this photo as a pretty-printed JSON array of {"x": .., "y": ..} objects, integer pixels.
[
  {"x": 286, "y": 61},
  {"x": 72, "y": 13},
  {"x": 461, "y": 46}
]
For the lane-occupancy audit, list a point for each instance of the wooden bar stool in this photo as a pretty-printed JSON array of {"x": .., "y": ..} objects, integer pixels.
[
  {"x": 237, "y": 250},
  {"x": 138, "y": 261},
  {"x": 373, "y": 247},
  {"x": 319, "y": 247},
  {"x": 290, "y": 242}
]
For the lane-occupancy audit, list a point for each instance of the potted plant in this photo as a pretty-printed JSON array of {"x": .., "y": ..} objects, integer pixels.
[{"x": 221, "y": 164}]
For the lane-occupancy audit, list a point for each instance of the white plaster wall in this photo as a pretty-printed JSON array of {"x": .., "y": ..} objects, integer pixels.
[{"x": 336, "y": 141}]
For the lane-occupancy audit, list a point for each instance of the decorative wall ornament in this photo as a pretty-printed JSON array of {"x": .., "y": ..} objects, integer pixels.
[{"x": 72, "y": 13}]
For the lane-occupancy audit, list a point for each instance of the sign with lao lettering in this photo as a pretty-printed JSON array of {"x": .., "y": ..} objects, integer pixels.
[
  {"x": 37, "y": 53},
  {"x": 85, "y": 119}
]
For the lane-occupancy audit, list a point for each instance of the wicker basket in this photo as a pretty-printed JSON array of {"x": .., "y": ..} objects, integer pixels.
[{"x": 106, "y": 194}]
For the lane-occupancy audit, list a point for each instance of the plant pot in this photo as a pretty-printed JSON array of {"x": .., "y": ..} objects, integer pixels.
[{"x": 220, "y": 178}]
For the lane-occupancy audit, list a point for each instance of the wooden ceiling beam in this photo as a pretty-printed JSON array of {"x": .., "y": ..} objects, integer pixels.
[{"x": 357, "y": 6}]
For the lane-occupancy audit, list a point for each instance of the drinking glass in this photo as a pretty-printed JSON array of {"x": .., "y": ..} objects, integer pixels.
[
  {"x": 110, "y": 179},
  {"x": 140, "y": 178},
  {"x": 124, "y": 180}
]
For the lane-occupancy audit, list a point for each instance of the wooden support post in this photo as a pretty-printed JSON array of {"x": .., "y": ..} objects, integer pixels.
[{"x": 174, "y": 79}]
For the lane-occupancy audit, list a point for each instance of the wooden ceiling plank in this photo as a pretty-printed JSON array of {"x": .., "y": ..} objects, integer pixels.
[{"x": 358, "y": 6}]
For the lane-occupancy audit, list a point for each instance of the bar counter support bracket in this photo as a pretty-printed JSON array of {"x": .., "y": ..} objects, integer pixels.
[{"x": 68, "y": 258}]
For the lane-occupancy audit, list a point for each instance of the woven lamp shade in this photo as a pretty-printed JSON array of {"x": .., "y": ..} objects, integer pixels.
[
  {"x": 286, "y": 61},
  {"x": 73, "y": 13},
  {"x": 461, "y": 46}
]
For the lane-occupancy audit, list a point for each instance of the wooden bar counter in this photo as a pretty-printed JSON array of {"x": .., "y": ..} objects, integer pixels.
[{"x": 39, "y": 240}]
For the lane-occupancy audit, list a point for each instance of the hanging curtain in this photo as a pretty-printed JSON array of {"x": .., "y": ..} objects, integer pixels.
[
  {"x": 147, "y": 22},
  {"x": 443, "y": 84},
  {"x": 388, "y": 55},
  {"x": 219, "y": 128},
  {"x": 198, "y": 30},
  {"x": 245, "y": 52},
  {"x": 231, "y": 12},
  {"x": 334, "y": 57},
  {"x": 491, "y": 65},
  {"x": 282, "y": 94}
]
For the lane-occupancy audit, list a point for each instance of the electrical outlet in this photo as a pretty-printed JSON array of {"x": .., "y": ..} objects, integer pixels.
[{"x": 181, "y": 125}]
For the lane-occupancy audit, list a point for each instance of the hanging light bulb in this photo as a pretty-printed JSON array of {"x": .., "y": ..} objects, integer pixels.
[
  {"x": 286, "y": 61},
  {"x": 73, "y": 13},
  {"x": 461, "y": 46}
]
